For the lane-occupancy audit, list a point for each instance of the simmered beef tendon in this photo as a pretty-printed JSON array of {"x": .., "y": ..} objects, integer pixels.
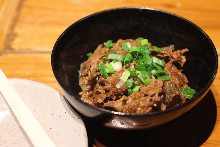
[
  {"x": 172, "y": 94},
  {"x": 138, "y": 86},
  {"x": 176, "y": 76}
]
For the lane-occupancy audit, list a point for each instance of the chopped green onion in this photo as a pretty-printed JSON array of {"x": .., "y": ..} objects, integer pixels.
[
  {"x": 188, "y": 92},
  {"x": 125, "y": 46},
  {"x": 158, "y": 72},
  {"x": 116, "y": 65},
  {"x": 154, "y": 72},
  {"x": 144, "y": 77},
  {"x": 102, "y": 70},
  {"x": 125, "y": 75},
  {"x": 144, "y": 42},
  {"x": 119, "y": 84},
  {"x": 116, "y": 57},
  {"x": 144, "y": 50},
  {"x": 104, "y": 59},
  {"x": 145, "y": 62},
  {"x": 129, "y": 83},
  {"x": 158, "y": 61},
  {"x": 147, "y": 81},
  {"x": 138, "y": 40},
  {"x": 149, "y": 61},
  {"x": 115, "y": 60},
  {"x": 109, "y": 68},
  {"x": 130, "y": 91},
  {"x": 127, "y": 58},
  {"x": 134, "y": 49},
  {"x": 158, "y": 49},
  {"x": 132, "y": 72},
  {"x": 136, "y": 88},
  {"x": 145, "y": 65},
  {"x": 158, "y": 67},
  {"x": 141, "y": 62},
  {"x": 146, "y": 72},
  {"x": 146, "y": 56},
  {"x": 165, "y": 78},
  {"x": 89, "y": 54},
  {"x": 108, "y": 44},
  {"x": 141, "y": 68}
]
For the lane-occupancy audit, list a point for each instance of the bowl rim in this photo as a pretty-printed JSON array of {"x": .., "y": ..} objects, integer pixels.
[{"x": 202, "y": 91}]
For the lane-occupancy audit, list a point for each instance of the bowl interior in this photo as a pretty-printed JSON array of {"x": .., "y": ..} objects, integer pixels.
[{"x": 160, "y": 28}]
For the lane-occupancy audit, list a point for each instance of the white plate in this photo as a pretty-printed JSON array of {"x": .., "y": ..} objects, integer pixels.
[{"x": 63, "y": 126}]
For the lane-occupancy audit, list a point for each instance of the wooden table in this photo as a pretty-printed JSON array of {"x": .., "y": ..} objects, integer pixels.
[{"x": 32, "y": 27}]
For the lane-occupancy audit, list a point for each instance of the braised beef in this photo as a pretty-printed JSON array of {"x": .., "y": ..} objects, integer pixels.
[
  {"x": 159, "y": 95},
  {"x": 172, "y": 94}
]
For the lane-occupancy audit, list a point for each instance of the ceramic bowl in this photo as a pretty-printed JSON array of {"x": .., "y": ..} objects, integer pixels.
[{"x": 160, "y": 28}]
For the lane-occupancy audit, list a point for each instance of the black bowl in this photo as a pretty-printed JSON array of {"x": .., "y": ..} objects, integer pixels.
[{"x": 162, "y": 29}]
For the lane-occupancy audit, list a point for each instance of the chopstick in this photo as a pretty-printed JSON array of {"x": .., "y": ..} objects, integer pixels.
[{"x": 26, "y": 119}]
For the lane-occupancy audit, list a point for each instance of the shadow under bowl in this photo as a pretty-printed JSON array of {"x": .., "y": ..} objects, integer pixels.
[{"x": 160, "y": 28}]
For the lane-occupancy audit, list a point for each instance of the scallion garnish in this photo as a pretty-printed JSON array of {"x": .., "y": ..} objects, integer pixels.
[
  {"x": 145, "y": 62},
  {"x": 127, "y": 58},
  {"x": 125, "y": 46},
  {"x": 141, "y": 67},
  {"x": 109, "y": 68},
  {"x": 138, "y": 40},
  {"x": 119, "y": 84},
  {"x": 144, "y": 50},
  {"x": 157, "y": 66},
  {"x": 129, "y": 83},
  {"x": 108, "y": 44},
  {"x": 89, "y": 54},
  {"x": 158, "y": 72},
  {"x": 104, "y": 59},
  {"x": 165, "y": 78},
  {"x": 132, "y": 72},
  {"x": 125, "y": 75},
  {"x": 144, "y": 77},
  {"x": 116, "y": 57},
  {"x": 102, "y": 70},
  {"x": 144, "y": 66},
  {"x": 158, "y": 49},
  {"x": 188, "y": 92},
  {"x": 105, "y": 69},
  {"x": 116, "y": 65},
  {"x": 136, "y": 89},
  {"x": 130, "y": 91},
  {"x": 133, "y": 49},
  {"x": 158, "y": 61},
  {"x": 144, "y": 42}
]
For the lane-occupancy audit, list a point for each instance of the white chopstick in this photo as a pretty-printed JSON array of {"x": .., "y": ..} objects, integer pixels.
[{"x": 26, "y": 119}]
